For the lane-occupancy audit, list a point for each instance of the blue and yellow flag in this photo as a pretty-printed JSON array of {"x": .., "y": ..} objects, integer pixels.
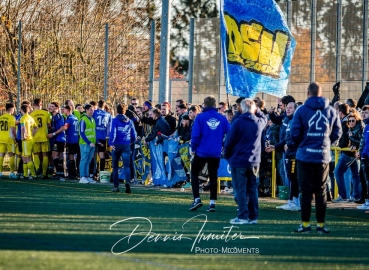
[{"x": 257, "y": 47}]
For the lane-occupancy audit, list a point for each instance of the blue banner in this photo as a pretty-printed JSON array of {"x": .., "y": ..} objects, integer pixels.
[
  {"x": 257, "y": 47},
  {"x": 224, "y": 171},
  {"x": 141, "y": 161},
  {"x": 159, "y": 177},
  {"x": 166, "y": 163}
]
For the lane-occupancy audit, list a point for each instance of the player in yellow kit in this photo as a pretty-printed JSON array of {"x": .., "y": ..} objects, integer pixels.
[
  {"x": 28, "y": 130},
  {"x": 41, "y": 146},
  {"x": 7, "y": 138}
]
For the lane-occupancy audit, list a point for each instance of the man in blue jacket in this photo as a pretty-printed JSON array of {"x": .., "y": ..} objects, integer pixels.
[
  {"x": 207, "y": 135},
  {"x": 122, "y": 134},
  {"x": 242, "y": 149},
  {"x": 315, "y": 126}
]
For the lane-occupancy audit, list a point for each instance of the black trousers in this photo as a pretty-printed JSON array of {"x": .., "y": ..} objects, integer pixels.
[
  {"x": 292, "y": 177},
  {"x": 312, "y": 179},
  {"x": 365, "y": 178},
  {"x": 197, "y": 165}
]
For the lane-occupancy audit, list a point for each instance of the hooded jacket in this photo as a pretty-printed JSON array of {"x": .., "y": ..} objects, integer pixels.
[
  {"x": 161, "y": 128},
  {"x": 242, "y": 147},
  {"x": 208, "y": 132},
  {"x": 291, "y": 151},
  {"x": 355, "y": 134},
  {"x": 315, "y": 126},
  {"x": 364, "y": 142},
  {"x": 122, "y": 131}
]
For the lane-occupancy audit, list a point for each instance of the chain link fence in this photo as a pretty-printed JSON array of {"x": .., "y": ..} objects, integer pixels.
[
  {"x": 60, "y": 62},
  {"x": 339, "y": 50}
]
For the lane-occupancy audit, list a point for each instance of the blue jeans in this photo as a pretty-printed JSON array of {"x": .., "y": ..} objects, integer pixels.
[
  {"x": 124, "y": 151},
  {"x": 282, "y": 172},
  {"x": 87, "y": 153},
  {"x": 344, "y": 163},
  {"x": 245, "y": 185}
]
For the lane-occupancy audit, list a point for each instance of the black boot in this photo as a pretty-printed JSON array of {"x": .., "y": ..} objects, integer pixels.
[
  {"x": 72, "y": 169},
  {"x": 128, "y": 188}
]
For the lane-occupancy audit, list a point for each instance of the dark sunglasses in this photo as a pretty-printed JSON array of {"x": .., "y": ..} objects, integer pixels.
[
  {"x": 352, "y": 121},
  {"x": 134, "y": 103}
]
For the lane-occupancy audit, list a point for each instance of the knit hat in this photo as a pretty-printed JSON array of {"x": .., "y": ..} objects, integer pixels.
[{"x": 148, "y": 104}]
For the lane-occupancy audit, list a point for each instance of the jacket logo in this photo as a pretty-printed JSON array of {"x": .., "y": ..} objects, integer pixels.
[
  {"x": 213, "y": 123},
  {"x": 318, "y": 125},
  {"x": 317, "y": 117}
]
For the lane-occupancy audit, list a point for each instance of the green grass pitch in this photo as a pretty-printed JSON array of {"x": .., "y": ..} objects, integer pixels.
[{"x": 65, "y": 225}]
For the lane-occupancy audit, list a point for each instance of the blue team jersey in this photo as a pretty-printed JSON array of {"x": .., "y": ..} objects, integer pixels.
[
  {"x": 57, "y": 122},
  {"x": 17, "y": 118},
  {"x": 103, "y": 123},
  {"x": 72, "y": 131}
]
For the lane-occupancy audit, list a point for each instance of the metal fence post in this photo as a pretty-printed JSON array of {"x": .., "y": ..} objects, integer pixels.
[
  {"x": 164, "y": 52},
  {"x": 289, "y": 24},
  {"x": 106, "y": 61},
  {"x": 152, "y": 60},
  {"x": 313, "y": 41},
  {"x": 190, "y": 60},
  {"x": 338, "y": 41},
  {"x": 365, "y": 43},
  {"x": 19, "y": 63}
]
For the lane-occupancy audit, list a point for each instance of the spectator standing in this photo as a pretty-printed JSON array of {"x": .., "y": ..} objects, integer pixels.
[
  {"x": 243, "y": 152},
  {"x": 161, "y": 127},
  {"x": 363, "y": 154},
  {"x": 238, "y": 109},
  {"x": 222, "y": 107},
  {"x": 207, "y": 135},
  {"x": 349, "y": 160},
  {"x": 171, "y": 120},
  {"x": 87, "y": 143},
  {"x": 287, "y": 147},
  {"x": 346, "y": 160},
  {"x": 314, "y": 128},
  {"x": 122, "y": 135}
]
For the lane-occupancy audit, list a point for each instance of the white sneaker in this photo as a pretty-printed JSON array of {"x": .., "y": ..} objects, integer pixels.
[
  {"x": 83, "y": 180},
  {"x": 13, "y": 176},
  {"x": 339, "y": 200},
  {"x": 283, "y": 206},
  {"x": 91, "y": 181},
  {"x": 291, "y": 207},
  {"x": 365, "y": 206},
  {"x": 238, "y": 221}
]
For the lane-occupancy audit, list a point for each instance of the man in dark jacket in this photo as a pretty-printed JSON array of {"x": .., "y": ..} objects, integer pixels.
[
  {"x": 286, "y": 146},
  {"x": 122, "y": 134},
  {"x": 171, "y": 120},
  {"x": 363, "y": 153},
  {"x": 315, "y": 126},
  {"x": 242, "y": 149},
  {"x": 207, "y": 135},
  {"x": 239, "y": 111},
  {"x": 161, "y": 128}
]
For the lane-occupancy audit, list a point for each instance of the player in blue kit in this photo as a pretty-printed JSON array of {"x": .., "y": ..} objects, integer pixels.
[
  {"x": 103, "y": 121},
  {"x": 58, "y": 135},
  {"x": 71, "y": 130}
]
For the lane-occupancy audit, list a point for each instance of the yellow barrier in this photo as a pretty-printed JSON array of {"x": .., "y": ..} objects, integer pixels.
[
  {"x": 274, "y": 175},
  {"x": 336, "y": 149},
  {"x": 274, "y": 172}
]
